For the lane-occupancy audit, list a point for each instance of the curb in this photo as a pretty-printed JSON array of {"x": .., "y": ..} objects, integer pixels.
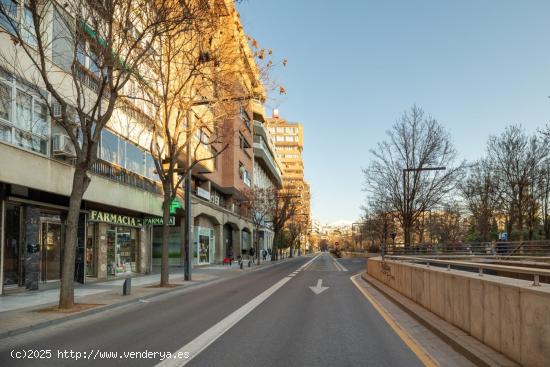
[
  {"x": 471, "y": 348},
  {"x": 96, "y": 310}
]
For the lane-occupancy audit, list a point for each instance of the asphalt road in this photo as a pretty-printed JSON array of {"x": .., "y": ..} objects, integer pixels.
[{"x": 270, "y": 317}]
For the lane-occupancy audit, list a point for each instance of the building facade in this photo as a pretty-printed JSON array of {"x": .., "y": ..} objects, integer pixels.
[
  {"x": 288, "y": 138},
  {"x": 118, "y": 230}
]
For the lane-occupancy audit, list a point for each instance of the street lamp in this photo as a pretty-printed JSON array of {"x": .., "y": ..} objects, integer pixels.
[{"x": 406, "y": 224}]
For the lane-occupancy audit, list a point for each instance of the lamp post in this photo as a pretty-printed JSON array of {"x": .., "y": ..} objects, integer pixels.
[{"x": 406, "y": 220}]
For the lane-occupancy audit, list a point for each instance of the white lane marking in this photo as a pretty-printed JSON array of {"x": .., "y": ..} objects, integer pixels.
[
  {"x": 200, "y": 343},
  {"x": 291, "y": 275},
  {"x": 339, "y": 266},
  {"x": 342, "y": 266},
  {"x": 318, "y": 289}
]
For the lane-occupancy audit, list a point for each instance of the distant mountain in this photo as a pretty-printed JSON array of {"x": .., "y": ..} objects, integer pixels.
[{"x": 341, "y": 223}]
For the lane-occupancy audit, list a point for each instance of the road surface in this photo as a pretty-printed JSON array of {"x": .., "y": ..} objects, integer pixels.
[{"x": 303, "y": 312}]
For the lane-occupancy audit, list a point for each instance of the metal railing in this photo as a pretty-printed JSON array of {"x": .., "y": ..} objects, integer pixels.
[
  {"x": 511, "y": 250},
  {"x": 479, "y": 266},
  {"x": 118, "y": 174}
]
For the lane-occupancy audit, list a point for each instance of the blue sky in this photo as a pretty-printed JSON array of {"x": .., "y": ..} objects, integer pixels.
[{"x": 355, "y": 65}]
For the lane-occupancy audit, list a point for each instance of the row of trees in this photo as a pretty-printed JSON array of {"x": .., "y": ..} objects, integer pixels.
[
  {"x": 171, "y": 72},
  {"x": 277, "y": 209},
  {"x": 419, "y": 192}
]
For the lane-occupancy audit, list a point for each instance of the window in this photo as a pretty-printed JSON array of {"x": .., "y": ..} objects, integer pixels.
[
  {"x": 27, "y": 27},
  {"x": 109, "y": 146},
  {"x": 150, "y": 167},
  {"x": 62, "y": 49},
  {"x": 243, "y": 143},
  {"x": 5, "y": 101},
  {"x": 23, "y": 116},
  {"x": 11, "y": 9},
  {"x": 121, "y": 161},
  {"x": 135, "y": 160}
]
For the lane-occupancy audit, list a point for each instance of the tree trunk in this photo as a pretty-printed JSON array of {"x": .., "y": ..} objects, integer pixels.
[
  {"x": 257, "y": 249},
  {"x": 274, "y": 252},
  {"x": 407, "y": 226},
  {"x": 291, "y": 249},
  {"x": 164, "y": 263},
  {"x": 66, "y": 292}
]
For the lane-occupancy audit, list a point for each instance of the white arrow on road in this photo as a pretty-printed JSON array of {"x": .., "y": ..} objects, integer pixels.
[{"x": 319, "y": 287}]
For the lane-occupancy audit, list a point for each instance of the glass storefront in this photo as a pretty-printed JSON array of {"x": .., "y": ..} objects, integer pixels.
[
  {"x": 91, "y": 253},
  {"x": 174, "y": 246},
  {"x": 13, "y": 266},
  {"x": 121, "y": 250},
  {"x": 204, "y": 248},
  {"x": 50, "y": 246},
  {"x": 48, "y": 234}
]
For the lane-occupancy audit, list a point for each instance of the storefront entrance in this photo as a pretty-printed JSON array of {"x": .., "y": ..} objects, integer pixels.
[
  {"x": 50, "y": 262},
  {"x": 204, "y": 245},
  {"x": 13, "y": 260}
]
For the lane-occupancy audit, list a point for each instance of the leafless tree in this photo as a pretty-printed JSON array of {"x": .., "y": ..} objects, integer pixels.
[
  {"x": 480, "y": 192},
  {"x": 517, "y": 159},
  {"x": 80, "y": 55},
  {"x": 260, "y": 204},
  {"x": 198, "y": 74},
  {"x": 285, "y": 205},
  {"x": 416, "y": 141}
]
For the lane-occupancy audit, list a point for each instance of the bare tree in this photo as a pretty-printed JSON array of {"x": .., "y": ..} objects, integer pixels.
[
  {"x": 260, "y": 204},
  {"x": 480, "y": 191},
  {"x": 196, "y": 77},
  {"x": 415, "y": 142},
  {"x": 284, "y": 207},
  {"x": 517, "y": 159},
  {"x": 81, "y": 55}
]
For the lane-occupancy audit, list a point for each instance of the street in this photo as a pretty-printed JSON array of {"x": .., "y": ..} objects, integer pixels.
[{"x": 315, "y": 316}]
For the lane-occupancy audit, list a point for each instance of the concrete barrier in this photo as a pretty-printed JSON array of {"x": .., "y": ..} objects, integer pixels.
[{"x": 510, "y": 315}]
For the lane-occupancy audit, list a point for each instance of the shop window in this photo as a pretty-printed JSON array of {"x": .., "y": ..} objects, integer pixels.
[
  {"x": 121, "y": 250},
  {"x": 12, "y": 246}
]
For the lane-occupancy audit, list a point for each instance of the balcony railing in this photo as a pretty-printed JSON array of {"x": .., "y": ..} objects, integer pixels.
[
  {"x": 265, "y": 146},
  {"x": 120, "y": 175}
]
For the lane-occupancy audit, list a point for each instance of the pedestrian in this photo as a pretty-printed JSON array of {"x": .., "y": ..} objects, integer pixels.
[
  {"x": 251, "y": 252},
  {"x": 264, "y": 254}
]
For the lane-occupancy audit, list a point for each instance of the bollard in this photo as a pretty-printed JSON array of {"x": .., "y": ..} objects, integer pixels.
[
  {"x": 249, "y": 263},
  {"x": 241, "y": 265},
  {"x": 127, "y": 286}
]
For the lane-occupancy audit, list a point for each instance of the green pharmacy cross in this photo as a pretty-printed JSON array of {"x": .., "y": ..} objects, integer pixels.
[{"x": 174, "y": 205}]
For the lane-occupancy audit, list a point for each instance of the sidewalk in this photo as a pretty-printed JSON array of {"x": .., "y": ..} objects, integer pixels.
[{"x": 24, "y": 311}]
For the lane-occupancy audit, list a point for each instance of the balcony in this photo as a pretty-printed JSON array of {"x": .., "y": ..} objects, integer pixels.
[
  {"x": 263, "y": 152},
  {"x": 120, "y": 175}
]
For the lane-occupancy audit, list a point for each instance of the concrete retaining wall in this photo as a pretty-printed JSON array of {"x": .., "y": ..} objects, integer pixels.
[{"x": 509, "y": 315}]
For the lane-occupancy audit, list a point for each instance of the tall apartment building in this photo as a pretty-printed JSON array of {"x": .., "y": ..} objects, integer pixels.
[
  {"x": 289, "y": 144},
  {"x": 116, "y": 232}
]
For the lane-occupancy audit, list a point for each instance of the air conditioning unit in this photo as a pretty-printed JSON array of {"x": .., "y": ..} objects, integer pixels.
[{"x": 63, "y": 146}]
